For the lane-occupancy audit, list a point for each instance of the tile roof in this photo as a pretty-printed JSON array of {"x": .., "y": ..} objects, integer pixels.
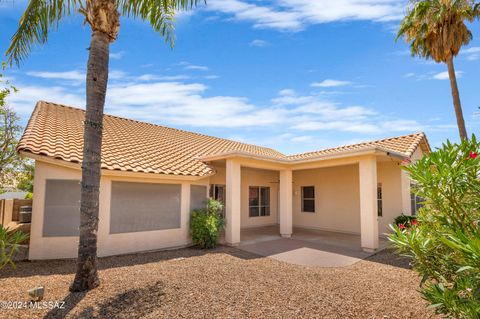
[
  {"x": 56, "y": 131},
  {"x": 402, "y": 145}
]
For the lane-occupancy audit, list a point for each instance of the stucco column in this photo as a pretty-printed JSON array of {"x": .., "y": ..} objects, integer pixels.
[
  {"x": 185, "y": 211},
  {"x": 286, "y": 203},
  {"x": 368, "y": 203},
  {"x": 406, "y": 200},
  {"x": 232, "y": 202}
]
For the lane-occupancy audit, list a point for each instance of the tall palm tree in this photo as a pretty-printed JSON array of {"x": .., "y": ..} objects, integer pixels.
[
  {"x": 103, "y": 17},
  {"x": 436, "y": 29}
]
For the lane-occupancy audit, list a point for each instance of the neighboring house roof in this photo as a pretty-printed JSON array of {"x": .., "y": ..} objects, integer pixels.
[
  {"x": 56, "y": 131},
  {"x": 13, "y": 195}
]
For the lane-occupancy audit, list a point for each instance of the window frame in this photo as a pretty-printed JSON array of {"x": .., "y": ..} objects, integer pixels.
[
  {"x": 265, "y": 206},
  {"x": 415, "y": 201},
  {"x": 303, "y": 199},
  {"x": 379, "y": 200}
]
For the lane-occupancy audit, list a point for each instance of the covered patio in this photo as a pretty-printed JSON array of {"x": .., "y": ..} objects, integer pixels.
[
  {"x": 338, "y": 198},
  {"x": 306, "y": 247}
]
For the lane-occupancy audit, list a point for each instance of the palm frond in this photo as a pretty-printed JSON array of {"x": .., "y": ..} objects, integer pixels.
[
  {"x": 159, "y": 13},
  {"x": 436, "y": 28},
  {"x": 39, "y": 17}
]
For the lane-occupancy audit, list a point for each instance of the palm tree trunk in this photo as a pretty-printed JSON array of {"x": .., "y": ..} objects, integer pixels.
[
  {"x": 86, "y": 277},
  {"x": 456, "y": 100}
]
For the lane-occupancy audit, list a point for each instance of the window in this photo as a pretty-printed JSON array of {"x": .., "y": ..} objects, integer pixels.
[
  {"x": 308, "y": 199},
  {"x": 61, "y": 216},
  {"x": 415, "y": 200},
  {"x": 138, "y": 207},
  {"x": 259, "y": 201},
  {"x": 379, "y": 200},
  {"x": 198, "y": 196},
  {"x": 217, "y": 192}
]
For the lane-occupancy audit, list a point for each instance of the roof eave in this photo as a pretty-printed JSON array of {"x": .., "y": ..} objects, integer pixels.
[
  {"x": 110, "y": 172},
  {"x": 353, "y": 153}
]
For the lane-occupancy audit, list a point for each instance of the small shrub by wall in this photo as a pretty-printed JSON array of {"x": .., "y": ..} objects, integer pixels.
[{"x": 206, "y": 224}]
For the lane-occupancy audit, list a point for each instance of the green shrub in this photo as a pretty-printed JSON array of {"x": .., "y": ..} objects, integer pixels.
[
  {"x": 29, "y": 195},
  {"x": 405, "y": 220},
  {"x": 206, "y": 224},
  {"x": 444, "y": 246},
  {"x": 9, "y": 245}
]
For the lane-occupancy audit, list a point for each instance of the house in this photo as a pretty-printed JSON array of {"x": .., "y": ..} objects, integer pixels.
[{"x": 153, "y": 176}]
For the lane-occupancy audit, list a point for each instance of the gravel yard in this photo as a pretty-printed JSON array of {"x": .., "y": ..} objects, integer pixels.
[{"x": 222, "y": 283}]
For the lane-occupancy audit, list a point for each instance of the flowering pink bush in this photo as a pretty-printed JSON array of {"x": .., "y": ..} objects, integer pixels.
[{"x": 443, "y": 243}]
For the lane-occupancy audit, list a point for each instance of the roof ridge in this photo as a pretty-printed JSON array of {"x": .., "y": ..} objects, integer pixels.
[
  {"x": 162, "y": 126},
  {"x": 419, "y": 133},
  {"x": 28, "y": 127}
]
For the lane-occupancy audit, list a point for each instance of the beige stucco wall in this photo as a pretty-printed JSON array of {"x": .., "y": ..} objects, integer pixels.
[
  {"x": 49, "y": 247},
  {"x": 337, "y": 198},
  {"x": 390, "y": 176},
  {"x": 251, "y": 177},
  {"x": 254, "y": 177},
  {"x": 337, "y": 192},
  {"x": 108, "y": 244}
]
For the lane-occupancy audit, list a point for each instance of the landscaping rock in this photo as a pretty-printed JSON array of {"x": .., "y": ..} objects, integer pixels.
[{"x": 220, "y": 283}]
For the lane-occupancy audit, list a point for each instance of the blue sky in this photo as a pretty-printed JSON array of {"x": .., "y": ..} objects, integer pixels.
[{"x": 295, "y": 75}]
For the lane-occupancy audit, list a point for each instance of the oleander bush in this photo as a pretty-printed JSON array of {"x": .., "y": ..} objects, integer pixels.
[
  {"x": 405, "y": 220},
  {"x": 444, "y": 243},
  {"x": 206, "y": 224},
  {"x": 9, "y": 244}
]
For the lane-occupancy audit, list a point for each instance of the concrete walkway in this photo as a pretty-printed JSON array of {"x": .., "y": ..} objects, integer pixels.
[{"x": 306, "y": 247}]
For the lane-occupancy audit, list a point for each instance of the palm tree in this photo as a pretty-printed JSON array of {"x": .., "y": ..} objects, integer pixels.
[
  {"x": 103, "y": 17},
  {"x": 436, "y": 29}
]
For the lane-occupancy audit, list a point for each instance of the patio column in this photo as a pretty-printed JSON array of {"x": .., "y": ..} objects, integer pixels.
[
  {"x": 232, "y": 202},
  {"x": 286, "y": 203},
  {"x": 368, "y": 203}
]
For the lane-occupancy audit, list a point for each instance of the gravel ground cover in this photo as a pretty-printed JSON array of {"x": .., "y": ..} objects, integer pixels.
[{"x": 221, "y": 283}]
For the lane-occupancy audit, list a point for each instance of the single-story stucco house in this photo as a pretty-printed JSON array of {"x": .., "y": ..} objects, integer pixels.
[{"x": 153, "y": 176}]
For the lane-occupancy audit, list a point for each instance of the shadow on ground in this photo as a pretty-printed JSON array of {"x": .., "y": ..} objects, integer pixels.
[
  {"x": 388, "y": 257},
  {"x": 71, "y": 301},
  {"x": 67, "y": 266},
  {"x": 134, "y": 302}
]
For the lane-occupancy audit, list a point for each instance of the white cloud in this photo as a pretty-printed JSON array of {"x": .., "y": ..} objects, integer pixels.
[
  {"x": 117, "y": 55},
  {"x": 472, "y": 54},
  {"x": 79, "y": 77},
  {"x": 153, "y": 77},
  {"x": 75, "y": 75},
  {"x": 147, "y": 97},
  {"x": 117, "y": 75},
  {"x": 444, "y": 75},
  {"x": 211, "y": 77},
  {"x": 196, "y": 67},
  {"x": 261, "y": 16},
  {"x": 295, "y": 15},
  {"x": 27, "y": 96},
  {"x": 258, "y": 43},
  {"x": 328, "y": 83}
]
